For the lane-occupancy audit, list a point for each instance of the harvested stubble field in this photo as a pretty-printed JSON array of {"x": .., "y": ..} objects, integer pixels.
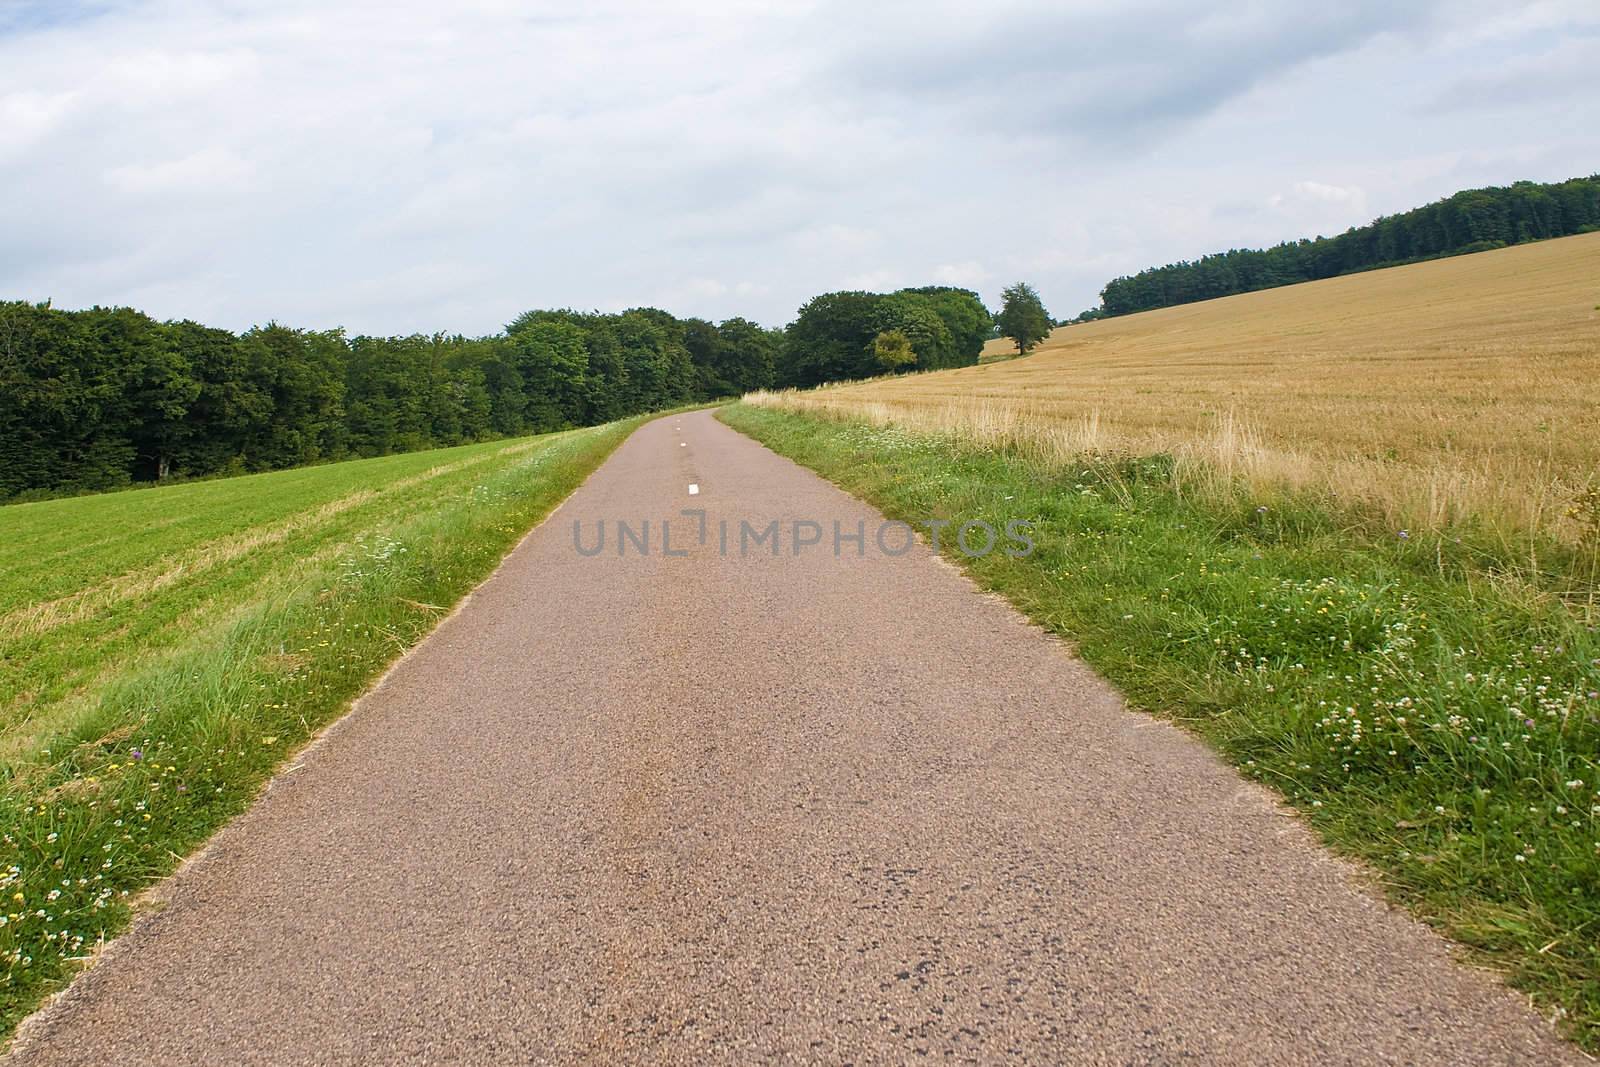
[{"x": 1463, "y": 390}]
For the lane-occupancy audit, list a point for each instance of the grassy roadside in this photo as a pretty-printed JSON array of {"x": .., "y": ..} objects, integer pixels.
[
  {"x": 1424, "y": 712},
  {"x": 162, "y": 652}
]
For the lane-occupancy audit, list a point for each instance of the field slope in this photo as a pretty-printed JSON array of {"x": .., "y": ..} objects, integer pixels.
[
  {"x": 1465, "y": 389},
  {"x": 162, "y": 650}
]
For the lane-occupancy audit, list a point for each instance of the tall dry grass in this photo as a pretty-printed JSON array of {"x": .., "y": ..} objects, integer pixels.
[{"x": 1464, "y": 390}]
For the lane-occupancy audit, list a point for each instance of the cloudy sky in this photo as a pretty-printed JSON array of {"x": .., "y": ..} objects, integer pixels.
[{"x": 404, "y": 165}]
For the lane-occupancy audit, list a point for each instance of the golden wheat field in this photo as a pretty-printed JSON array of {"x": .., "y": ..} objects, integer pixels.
[{"x": 1465, "y": 388}]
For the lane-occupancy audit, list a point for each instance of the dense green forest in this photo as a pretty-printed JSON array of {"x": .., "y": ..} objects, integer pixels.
[
  {"x": 836, "y": 334},
  {"x": 1474, "y": 220},
  {"x": 97, "y": 399},
  {"x": 103, "y": 398}
]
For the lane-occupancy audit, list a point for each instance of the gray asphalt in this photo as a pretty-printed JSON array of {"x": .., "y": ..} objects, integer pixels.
[{"x": 713, "y": 808}]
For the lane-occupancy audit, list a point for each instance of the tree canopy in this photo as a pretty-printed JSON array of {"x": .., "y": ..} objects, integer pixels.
[
  {"x": 1023, "y": 317},
  {"x": 835, "y": 335},
  {"x": 893, "y": 351},
  {"x": 106, "y": 397}
]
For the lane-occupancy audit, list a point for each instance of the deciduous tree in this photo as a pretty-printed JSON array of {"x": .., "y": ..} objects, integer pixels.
[{"x": 1023, "y": 317}]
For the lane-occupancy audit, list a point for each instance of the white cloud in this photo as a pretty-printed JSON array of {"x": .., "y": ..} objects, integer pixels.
[
  {"x": 210, "y": 170},
  {"x": 1568, "y": 70},
  {"x": 968, "y": 274},
  {"x": 398, "y": 165},
  {"x": 29, "y": 116},
  {"x": 872, "y": 280},
  {"x": 1331, "y": 194}
]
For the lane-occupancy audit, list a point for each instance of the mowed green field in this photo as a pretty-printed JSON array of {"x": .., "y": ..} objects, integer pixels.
[{"x": 162, "y": 650}]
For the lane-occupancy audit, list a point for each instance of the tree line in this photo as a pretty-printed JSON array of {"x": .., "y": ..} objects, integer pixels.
[
  {"x": 859, "y": 335},
  {"x": 106, "y": 397},
  {"x": 97, "y": 399},
  {"x": 1474, "y": 220}
]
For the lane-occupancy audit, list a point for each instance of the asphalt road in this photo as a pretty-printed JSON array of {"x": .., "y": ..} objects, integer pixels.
[{"x": 725, "y": 807}]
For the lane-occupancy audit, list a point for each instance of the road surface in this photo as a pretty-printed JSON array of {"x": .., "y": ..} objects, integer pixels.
[{"x": 727, "y": 806}]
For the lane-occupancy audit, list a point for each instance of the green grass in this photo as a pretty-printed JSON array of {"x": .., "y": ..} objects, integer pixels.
[
  {"x": 1424, "y": 707},
  {"x": 162, "y": 650}
]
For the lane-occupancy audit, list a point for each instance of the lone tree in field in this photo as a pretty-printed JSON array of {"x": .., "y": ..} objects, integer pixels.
[{"x": 1023, "y": 318}]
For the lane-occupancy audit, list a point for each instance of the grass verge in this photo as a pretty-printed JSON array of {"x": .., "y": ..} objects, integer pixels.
[
  {"x": 1423, "y": 711},
  {"x": 204, "y": 635}
]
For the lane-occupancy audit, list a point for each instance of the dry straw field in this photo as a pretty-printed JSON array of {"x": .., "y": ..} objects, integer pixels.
[{"x": 1460, "y": 389}]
